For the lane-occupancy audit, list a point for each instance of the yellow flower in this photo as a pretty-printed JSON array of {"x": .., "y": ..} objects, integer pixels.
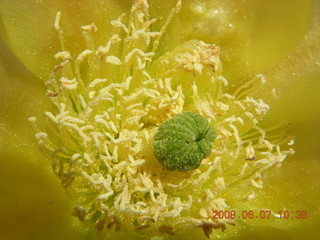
[{"x": 114, "y": 72}]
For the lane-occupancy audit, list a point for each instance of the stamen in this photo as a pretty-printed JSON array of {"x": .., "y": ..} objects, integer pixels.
[
  {"x": 59, "y": 30},
  {"x": 173, "y": 12}
]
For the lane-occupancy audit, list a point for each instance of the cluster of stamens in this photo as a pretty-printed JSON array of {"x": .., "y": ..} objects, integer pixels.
[{"x": 110, "y": 101}]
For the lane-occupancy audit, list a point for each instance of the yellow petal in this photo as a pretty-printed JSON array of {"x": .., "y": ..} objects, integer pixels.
[
  {"x": 31, "y": 201},
  {"x": 275, "y": 29},
  {"x": 296, "y": 185},
  {"x": 10, "y": 161},
  {"x": 29, "y": 28},
  {"x": 21, "y": 96},
  {"x": 298, "y": 65},
  {"x": 299, "y": 104},
  {"x": 253, "y": 35}
]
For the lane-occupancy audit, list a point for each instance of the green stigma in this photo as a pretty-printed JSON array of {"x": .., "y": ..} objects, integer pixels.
[{"x": 182, "y": 142}]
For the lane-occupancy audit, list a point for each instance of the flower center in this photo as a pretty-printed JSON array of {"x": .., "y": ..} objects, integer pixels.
[{"x": 113, "y": 100}]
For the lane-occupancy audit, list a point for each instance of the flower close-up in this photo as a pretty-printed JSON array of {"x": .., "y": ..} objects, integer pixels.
[{"x": 168, "y": 119}]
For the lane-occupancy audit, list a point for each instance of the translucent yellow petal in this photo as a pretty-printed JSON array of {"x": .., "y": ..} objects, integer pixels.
[
  {"x": 29, "y": 28},
  {"x": 301, "y": 100},
  {"x": 253, "y": 35},
  {"x": 32, "y": 204},
  {"x": 296, "y": 185},
  {"x": 276, "y": 27},
  {"x": 295, "y": 67},
  {"x": 21, "y": 96}
]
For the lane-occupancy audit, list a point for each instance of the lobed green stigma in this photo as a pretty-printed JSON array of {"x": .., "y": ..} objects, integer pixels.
[{"x": 182, "y": 142}]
